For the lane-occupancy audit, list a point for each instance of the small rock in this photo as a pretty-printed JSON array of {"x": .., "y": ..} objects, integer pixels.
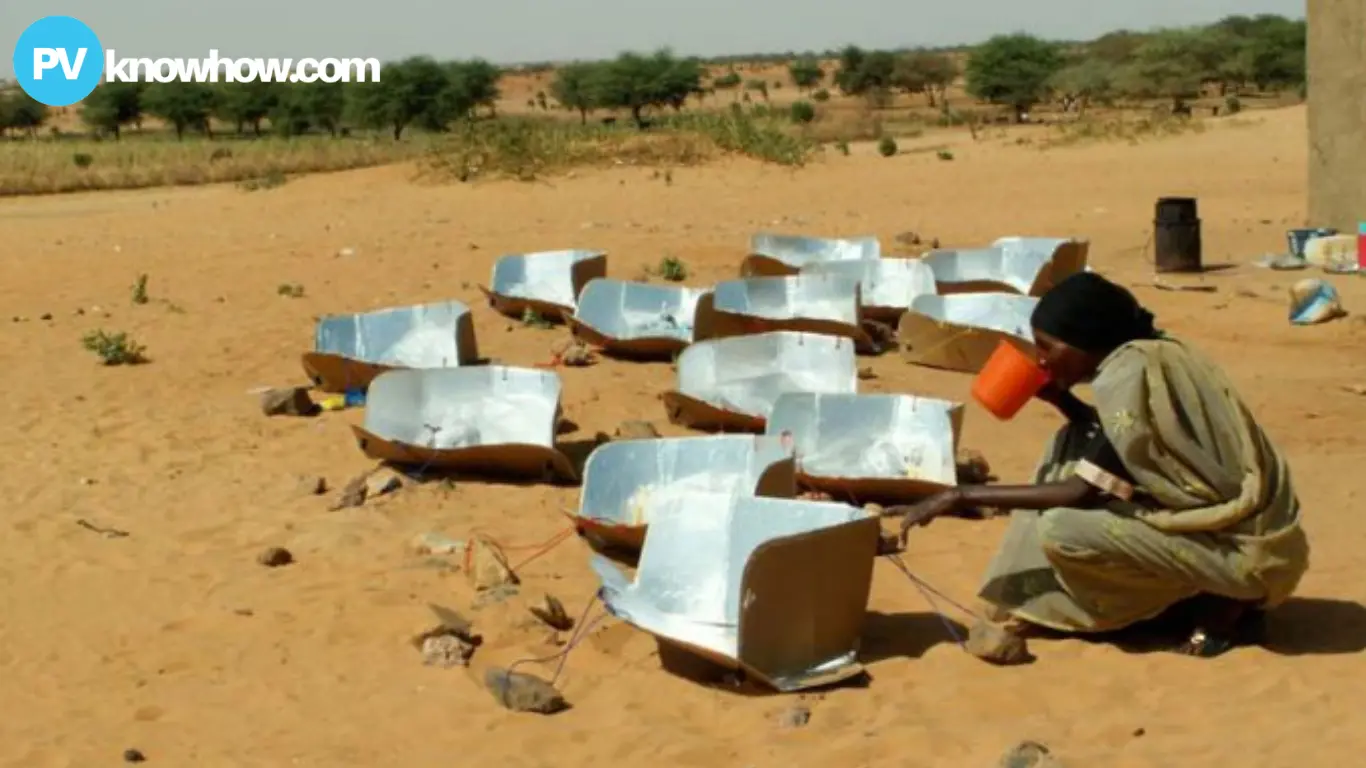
[
  {"x": 290, "y": 401},
  {"x": 312, "y": 485},
  {"x": 353, "y": 495},
  {"x": 274, "y": 557},
  {"x": 437, "y": 544},
  {"x": 866, "y": 373},
  {"x": 523, "y": 693},
  {"x": 495, "y": 595},
  {"x": 489, "y": 566},
  {"x": 553, "y": 614},
  {"x": 1028, "y": 754},
  {"x": 1140, "y": 732},
  {"x": 973, "y": 468},
  {"x": 875, "y": 510},
  {"x": 907, "y": 238},
  {"x": 635, "y": 429},
  {"x": 446, "y": 650},
  {"x": 795, "y": 717},
  {"x": 572, "y": 353},
  {"x": 45, "y": 316},
  {"x": 346, "y": 252},
  {"x": 888, "y": 543},
  {"x": 578, "y": 356},
  {"x": 996, "y": 644},
  {"x": 134, "y": 756},
  {"x": 381, "y": 482}
]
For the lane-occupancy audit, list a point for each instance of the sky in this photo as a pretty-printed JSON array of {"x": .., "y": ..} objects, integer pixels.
[{"x": 512, "y": 31}]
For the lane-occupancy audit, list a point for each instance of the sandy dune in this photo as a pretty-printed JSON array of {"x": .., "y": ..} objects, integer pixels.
[{"x": 175, "y": 641}]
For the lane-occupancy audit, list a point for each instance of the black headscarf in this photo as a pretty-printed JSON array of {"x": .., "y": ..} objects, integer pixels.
[{"x": 1092, "y": 314}]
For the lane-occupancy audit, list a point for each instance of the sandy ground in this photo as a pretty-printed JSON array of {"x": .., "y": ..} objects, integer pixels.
[{"x": 175, "y": 641}]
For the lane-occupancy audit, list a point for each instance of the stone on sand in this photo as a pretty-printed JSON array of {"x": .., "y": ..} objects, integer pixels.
[
  {"x": 996, "y": 644},
  {"x": 288, "y": 401},
  {"x": 523, "y": 693},
  {"x": 489, "y": 566},
  {"x": 1028, "y": 754}
]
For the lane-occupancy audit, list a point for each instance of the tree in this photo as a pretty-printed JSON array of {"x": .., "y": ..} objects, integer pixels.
[
  {"x": 1173, "y": 64},
  {"x": 477, "y": 80},
  {"x": 925, "y": 72},
  {"x": 301, "y": 107},
  {"x": 183, "y": 105},
  {"x": 1083, "y": 82},
  {"x": 415, "y": 90},
  {"x": 20, "y": 112},
  {"x": 1013, "y": 70},
  {"x": 806, "y": 73},
  {"x": 111, "y": 106},
  {"x": 862, "y": 72},
  {"x": 637, "y": 82},
  {"x": 576, "y": 87},
  {"x": 243, "y": 104}
]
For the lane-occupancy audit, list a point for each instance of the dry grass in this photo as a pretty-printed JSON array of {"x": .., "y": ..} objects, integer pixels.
[
  {"x": 51, "y": 166},
  {"x": 1121, "y": 128},
  {"x": 516, "y": 147}
]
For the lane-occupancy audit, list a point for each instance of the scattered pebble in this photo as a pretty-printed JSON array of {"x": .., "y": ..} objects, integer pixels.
[
  {"x": 134, "y": 756},
  {"x": 996, "y": 644},
  {"x": 866, "y": 373},
  {"x": 495, "y": 595},
  {"x": 521, "y": 692},
  {"x": 444, "y": 649},
  {"x": 1028, "y": 754},
  {"x": 382, "y": 481},
  {"x": 275, "y": 557},
  {"x": 875, "y": 510},
  {"x": 489, "y": 566},
  {"x": 312, "y": 485},
  {"x": 795, "y": 717},
  {"x": 288, "y": 401},
  {"x": 437, "y": 544}
]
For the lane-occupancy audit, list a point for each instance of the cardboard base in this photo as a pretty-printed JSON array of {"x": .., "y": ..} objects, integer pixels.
[
  {"x": 687, "y": 411},
  {"x": 926, "y": 341},
  {"x": 524, "y": 461},
  {"x": 657, "y": 348},
  {"x": 336, "y": 374}
]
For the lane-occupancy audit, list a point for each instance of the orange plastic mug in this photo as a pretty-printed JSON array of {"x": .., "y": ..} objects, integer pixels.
[{"x": 1008, "y": 381}]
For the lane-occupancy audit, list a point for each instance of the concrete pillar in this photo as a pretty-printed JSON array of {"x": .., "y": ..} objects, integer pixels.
[{"x": 1337, "y": 113}]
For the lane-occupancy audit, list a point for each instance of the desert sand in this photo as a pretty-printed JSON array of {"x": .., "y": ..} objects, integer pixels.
[{"x": 173, "y": 640}]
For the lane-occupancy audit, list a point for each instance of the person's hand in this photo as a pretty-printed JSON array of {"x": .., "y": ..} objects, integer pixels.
[{"x": 945, "y": 503}]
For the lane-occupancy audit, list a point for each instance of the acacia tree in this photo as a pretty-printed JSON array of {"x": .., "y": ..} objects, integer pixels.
[
  {"x": 1013, "y": 70},
  {"x": 111, "y": 106},
  {"x": 301, "y": 107},
  {"x": 1173, "y": 64},
  {"x": 576, "y": 87},
  {"x": 243, "y": 104},
  {"x": 925, "y": 72},
  {"x": 806, "y": 74},
  {"x": 182, "y": 105},
  {"x": 637, "y": 82},
  {"x": 411, "y": 92},
  {"x": 20, "y": 112},
  {"x": 1083, "y": 82}
]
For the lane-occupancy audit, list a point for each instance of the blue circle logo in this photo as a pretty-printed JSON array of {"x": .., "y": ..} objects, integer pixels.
[{"x": 58, "y": 60}]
